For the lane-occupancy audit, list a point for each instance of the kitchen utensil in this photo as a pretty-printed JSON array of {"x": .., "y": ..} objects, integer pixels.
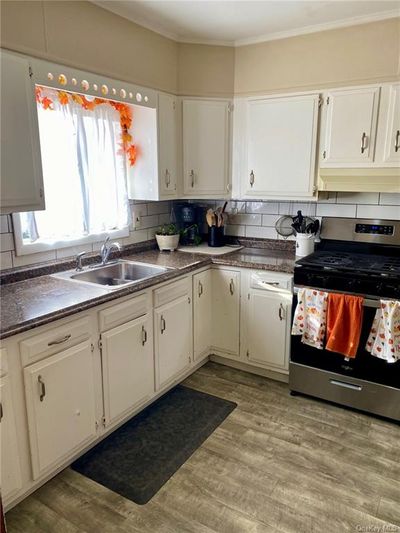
[
  {"x": 283, "y": 226},
  {"x": 209, "y": 217}
]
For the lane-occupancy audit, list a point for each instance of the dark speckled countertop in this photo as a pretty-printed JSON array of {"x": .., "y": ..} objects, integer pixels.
[{"x": 37, "y": 301}]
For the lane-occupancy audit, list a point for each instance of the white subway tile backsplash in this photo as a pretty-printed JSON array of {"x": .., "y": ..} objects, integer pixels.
[
  {"x": 379, "y": 211},
  {"x": 148, "y": 222},
  {"x": 6, "y": 260},
  {"x": 135, "y": 237},
  {"x": 23, "y": 260},
  {"x": 6, "y": 242},
  {"x": 156, "y": 208},
  {"x": 358, "y": 198},
  {"x": 72, "y": 251},
  {"x": 268, "y": 208},
  {"x": 290, "y": 208},
  {"x": 4, "y": 228},
  {"x": 261, "y": 232},
  {"x": 269, "y": 220},
  {"x": 164, "y": 219},
  {"x": 389, "y": 198},
  {"x": 336, "y": 210},
  {"x": 235, "y": 231},
  {"x": 245, "y": 219}
]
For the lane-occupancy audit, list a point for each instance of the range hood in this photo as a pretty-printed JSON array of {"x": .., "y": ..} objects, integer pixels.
[{"x": 359, "y": 179}]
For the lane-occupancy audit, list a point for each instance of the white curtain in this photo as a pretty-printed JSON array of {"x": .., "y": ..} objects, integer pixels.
[{"x": 84, "y": 172}]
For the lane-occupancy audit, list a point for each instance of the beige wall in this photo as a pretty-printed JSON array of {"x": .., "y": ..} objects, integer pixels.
[
  {"x": 86, "y": 36},
  {"x": 355, "y": 55},
  {"x": 205, "y": 70},
  {"x": 81, "y": 34}
]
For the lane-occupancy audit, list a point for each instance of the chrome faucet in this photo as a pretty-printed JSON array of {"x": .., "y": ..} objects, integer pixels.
[
  {"x": 79, "y": 257},
  {"x": 105, "y": 250}
]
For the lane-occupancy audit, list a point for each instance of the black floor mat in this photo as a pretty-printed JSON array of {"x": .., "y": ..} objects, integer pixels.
[{"x": 139, "y": 457}]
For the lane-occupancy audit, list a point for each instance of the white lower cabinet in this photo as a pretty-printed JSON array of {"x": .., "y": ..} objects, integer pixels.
[
  {"x": 60, "y": 401},
  {"x": 128, "y": 367},
  {"x": 10, "y": 474},
  {"x": 225, "y": 311},
  {"x": 173, "y": 338},
  {"x": 265, "y": 321},
  {"x": 202, "y": 320}
]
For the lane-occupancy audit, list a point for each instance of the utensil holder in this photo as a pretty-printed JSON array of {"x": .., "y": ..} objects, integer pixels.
[
  {"x": 304, "y": 244},
  {"x": 216, "y": 236}
]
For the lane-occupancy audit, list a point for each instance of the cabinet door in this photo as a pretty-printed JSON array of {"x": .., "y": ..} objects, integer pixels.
[
  {"x": 267, "y": 320},
  {"x": 173, "y": 339},
  {"x": 202, "y": 324},
  {"x": 168, "y": 144},
  {"x": 10, "y": 476},
  {"x": 128, "y": 366},
  {"x": 392, "y": 141},
  {"x": 350, "y": 127},
  {"x": 282, "y": 138},
  {"x": 225, "y": 311},
  {"x": 205, "y": 147},
  {"x": 21, "y": 170},
  {"x": 60, "y": 401}
]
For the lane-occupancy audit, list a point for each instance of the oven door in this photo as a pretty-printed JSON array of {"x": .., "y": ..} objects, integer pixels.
[{"x": 364, "y": 366}]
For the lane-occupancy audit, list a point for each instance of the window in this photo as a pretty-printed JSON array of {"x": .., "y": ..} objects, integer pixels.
[{"x": 85, "y": 166}]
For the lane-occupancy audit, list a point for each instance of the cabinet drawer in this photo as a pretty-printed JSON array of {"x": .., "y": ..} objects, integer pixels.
[
  {"x": 171, "y": 292},
  {"x": 124, "y": 312},
  {"x": 55, "y": 339},
  {"x": 3, "y": 362},
  {"x": 265, "y": 280}
]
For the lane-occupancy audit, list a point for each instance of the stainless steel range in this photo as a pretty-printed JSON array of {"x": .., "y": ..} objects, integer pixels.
[{"x": 360, "y": 257}]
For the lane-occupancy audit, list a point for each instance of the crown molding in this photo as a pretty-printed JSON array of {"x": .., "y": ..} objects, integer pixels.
[{"x": 315, "y": 28}]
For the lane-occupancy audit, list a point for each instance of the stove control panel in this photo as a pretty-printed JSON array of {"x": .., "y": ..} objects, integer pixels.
[{"x": 374, "y": 229}]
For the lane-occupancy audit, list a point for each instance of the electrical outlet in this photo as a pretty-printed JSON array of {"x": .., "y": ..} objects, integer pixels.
[{"x": 137, "y": 221}]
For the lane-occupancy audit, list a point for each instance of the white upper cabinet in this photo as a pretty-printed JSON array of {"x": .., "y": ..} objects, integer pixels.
[
  {"x": 21, "y": 170},
  {"x": 168, "y": 145},
  {"x": 388, "y": 139},
  {"x": 206, "y": 140},
  {"x": 349, "y": 131},
  {"x": 281, "y": 144}
]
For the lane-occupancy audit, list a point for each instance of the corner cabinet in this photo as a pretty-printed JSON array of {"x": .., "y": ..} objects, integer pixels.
[
  {"x": 225, "y": 312},
  {"x": 21, "y": 168},
  {"x": 202, "y": 319},
  {"x": 60, "y": 401},
  {"x": 277, "y": 139},
  {"x": 349, "y": 127},
  {"x": 206, "y": 147},
  {"x": 168, "y": 145},
  {"x": 388, "y": 137}
]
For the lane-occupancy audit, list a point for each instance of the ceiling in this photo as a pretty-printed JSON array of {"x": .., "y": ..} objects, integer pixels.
[{"x": 238, "y": 22}]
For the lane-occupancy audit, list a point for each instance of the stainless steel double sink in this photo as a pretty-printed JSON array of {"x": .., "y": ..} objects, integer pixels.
[{"x": 115, "y": 275}]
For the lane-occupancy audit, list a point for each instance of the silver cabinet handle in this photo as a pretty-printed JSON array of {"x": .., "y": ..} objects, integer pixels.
[
  {"x": 396, "y": 143},
  {"x": 1, "y": 412},
  {"x": 191, "y": 174},
  {"x": 231, "y": 287},
  {"x": 364, "y": 142},
  {"x": 42, "y": 388},
  {"x": 281, "y": 312},
  {"x": 60, "y": 341},
  {"x": 345, "y": 385},
  {"x": 144, "y": 336},
  {"x": 163, "y": 325},
  {"x": 200, "y": 288},
  {"x": 167, "y": 178},
  {"x": 252, "y": 178}
]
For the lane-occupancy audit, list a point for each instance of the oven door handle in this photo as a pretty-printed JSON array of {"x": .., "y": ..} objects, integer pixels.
[
  {"x": 368, "y": 302},
  {"x": 345, "y": 385}
]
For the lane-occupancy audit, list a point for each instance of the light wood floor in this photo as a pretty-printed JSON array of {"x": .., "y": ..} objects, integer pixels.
[{"x": 277, "y": 463}]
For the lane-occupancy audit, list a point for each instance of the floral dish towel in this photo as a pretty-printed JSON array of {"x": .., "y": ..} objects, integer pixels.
[
  {"x": 384, "y": 338},
  {"x": 310, "y": 317}
]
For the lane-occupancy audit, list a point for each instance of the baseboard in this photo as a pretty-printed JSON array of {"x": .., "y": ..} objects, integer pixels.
[{"x": 277, "y": 376}]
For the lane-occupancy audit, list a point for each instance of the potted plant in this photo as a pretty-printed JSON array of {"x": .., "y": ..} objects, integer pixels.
[{"x": 167, "y": 237}]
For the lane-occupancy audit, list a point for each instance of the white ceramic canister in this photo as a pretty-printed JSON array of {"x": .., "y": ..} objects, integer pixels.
[{"x": 304, "y": 244}]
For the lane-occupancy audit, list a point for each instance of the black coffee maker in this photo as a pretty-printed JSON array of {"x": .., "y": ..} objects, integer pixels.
[{"x": 188, "y": 219}]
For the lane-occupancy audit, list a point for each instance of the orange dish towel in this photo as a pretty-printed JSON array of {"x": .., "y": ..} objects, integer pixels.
[{"x": 344, "y": 318}]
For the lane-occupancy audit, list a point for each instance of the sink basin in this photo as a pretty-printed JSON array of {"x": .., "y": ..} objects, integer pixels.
[{"x": 116, "y": 274}]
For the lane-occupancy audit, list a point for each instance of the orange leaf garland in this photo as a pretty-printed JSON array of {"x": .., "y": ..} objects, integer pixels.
[{"x": 124, "y": 110}]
